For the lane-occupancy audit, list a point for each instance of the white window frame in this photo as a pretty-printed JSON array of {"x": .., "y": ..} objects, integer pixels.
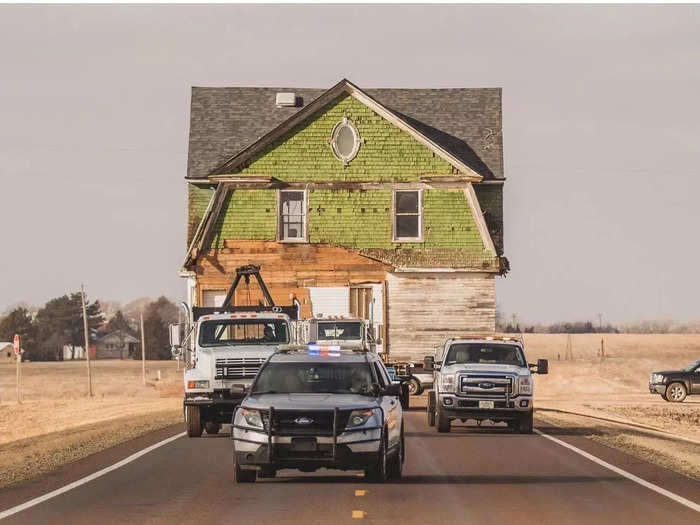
[
  {"x": 394, "y": 232},
  {"x": 345, "y": 159},
  {"x": 305, "y": 217}
]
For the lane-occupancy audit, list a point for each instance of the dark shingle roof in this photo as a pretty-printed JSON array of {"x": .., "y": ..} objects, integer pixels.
[{"x": 466, "y": 122}]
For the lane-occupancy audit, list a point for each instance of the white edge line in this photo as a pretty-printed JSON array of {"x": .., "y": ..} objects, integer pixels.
[
  {"x": 675, "y": 497},
  {"x": 40, "y": 499}
]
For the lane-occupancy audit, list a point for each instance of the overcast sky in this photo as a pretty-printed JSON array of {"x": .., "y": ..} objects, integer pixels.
[{"x": 601, "y": 117}]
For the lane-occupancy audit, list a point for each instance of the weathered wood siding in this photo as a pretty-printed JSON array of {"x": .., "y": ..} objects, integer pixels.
[
  {"x": 424, "y": 309},
  {"x": 286, "y": 268}
]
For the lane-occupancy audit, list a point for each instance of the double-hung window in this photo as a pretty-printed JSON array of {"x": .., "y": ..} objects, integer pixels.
[
  {"x": 408, "y": 223},
  {"x": 292, "y": 215}
]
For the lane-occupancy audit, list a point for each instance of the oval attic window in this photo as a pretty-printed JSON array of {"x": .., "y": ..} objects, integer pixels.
[{"x": 345, "y": 141}]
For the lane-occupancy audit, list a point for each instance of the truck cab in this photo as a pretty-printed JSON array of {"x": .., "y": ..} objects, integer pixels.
[
  {"x": 483, "y": 378},
  {"x": 223, "y": 348}
]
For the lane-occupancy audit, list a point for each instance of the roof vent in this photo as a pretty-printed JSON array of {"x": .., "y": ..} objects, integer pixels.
[{"x": 286, "y": 100}]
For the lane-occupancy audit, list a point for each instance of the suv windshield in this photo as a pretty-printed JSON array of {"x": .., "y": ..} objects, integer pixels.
[
  {"x": 462, "y": 353},
  {"x": 243, "y": 331},
  {"x": 691, "y": 366},
  {"x": 339, "y": 331},
  {"x": 293, "y": 378}
]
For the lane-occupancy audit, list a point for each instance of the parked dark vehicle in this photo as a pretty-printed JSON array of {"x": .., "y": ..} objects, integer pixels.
[{"x": 676, "y": 385}]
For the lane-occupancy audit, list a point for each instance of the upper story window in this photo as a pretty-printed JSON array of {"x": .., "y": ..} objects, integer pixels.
[
  {"x": 345, "y": 141},
  {"x": 408, "y": 220},
  {"x": 292, "y": 215}
]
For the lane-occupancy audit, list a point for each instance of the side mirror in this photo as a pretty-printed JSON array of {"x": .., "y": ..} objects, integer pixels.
[
  {"x": 175, "y": 335},
  {"x": 394, "y": 389},
  {"x": 238, "y": 389},
  {"x": 429, "y": 361},
  {"x": 542, "y": 366}
]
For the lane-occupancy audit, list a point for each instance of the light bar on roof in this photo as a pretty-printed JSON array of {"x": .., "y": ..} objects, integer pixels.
[{"x": 316, "y": 350}]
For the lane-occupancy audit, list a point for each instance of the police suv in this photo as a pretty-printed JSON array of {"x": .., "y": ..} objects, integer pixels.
[
  {"x": 483, "y": 378},
  {"x": 318, "y": 407}
]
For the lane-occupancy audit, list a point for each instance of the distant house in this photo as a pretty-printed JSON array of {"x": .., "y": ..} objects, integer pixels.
[
  {"x": 6, "y": 350},
  {"x": 116, "y": 345},
  {"x": 75, "y": 352}
]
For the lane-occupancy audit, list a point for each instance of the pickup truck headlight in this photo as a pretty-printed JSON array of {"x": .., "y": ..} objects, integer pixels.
[
  {"x": 447, "y": 383},
  {"x": 204, "y": 384},
  {"x": 525, "y": 385},
  {"x": 657, "y": 378},
  {"x": 359, "y": 418},
  {"x": 252, "y": 417}
]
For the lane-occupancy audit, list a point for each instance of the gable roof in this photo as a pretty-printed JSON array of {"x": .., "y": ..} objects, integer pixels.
[{"x": 227, "y": 125}]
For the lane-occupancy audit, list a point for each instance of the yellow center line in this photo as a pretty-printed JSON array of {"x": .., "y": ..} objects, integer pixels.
[
  {"x": 358, "y": 514},
  {"x": 360, "y": 492}
]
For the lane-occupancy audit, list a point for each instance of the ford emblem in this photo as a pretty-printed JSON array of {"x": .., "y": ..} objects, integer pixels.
[
  {"x": 303, "y": 420},
  {"x": 486, "y": 385}
]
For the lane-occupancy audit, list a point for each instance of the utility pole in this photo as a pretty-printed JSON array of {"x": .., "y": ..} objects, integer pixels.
[
  {"x": 143, "y": 353},
  {"x": 600, "y": 322},
  {"x": 87, "y": 338}
]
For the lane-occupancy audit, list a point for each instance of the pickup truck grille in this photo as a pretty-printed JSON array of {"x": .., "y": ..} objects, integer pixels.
[
  {"x": 238, "y": 367},
  {"x": 487, "y": 386}
]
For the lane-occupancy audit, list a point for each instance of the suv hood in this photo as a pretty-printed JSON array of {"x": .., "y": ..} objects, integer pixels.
[
  {"x": 485, "y": 368},
  {"x": 309, "y": 401}
]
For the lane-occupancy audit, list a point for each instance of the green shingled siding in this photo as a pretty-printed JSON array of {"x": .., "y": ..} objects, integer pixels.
[
  {"x": 247, "y": 214},
  {"x": 449, "y": 222},
  {"x": 386, "y": 154},
  {"x": 198, "y": 199}
]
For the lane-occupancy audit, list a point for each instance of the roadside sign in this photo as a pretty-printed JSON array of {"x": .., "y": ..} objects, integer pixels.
[{"x": 16, "y": 345}]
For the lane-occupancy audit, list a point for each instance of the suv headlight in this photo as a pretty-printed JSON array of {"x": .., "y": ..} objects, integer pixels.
[
  {"x": 525, "y": 385},
  {"x": 447, "y": 383},
  {"x": 252, "y": 417},
  {"x": 204, "y": 384},
  {"x": 657, "y": 378},
  {"x": 359, "y": 418}
]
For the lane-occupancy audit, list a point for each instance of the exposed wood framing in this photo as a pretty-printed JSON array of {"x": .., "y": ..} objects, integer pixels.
[
  {"x": 344, "y": 86},
  {"x": 479, "y": 219},
  {"x": 202, "y": 236}
]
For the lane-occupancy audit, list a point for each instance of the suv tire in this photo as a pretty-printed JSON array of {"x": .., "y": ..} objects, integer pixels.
[
  {"x": 676, "y": 392},
  {"x": 431, "y": 408},
  {"x": 441, "y": 420},
  {"x": 212, "y": 427},
  {"x": 193, "y": 421},
  {"x": 525, "y": 423},
  {"x": 242, "y": 475},
  {"x": 378, "y": 472},
  {"x": 395, "y": 463}
]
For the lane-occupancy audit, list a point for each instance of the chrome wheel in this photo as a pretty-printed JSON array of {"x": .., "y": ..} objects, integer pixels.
[
  {"x": 676, "y": 392},
  {"x": 413, "y": 386}
]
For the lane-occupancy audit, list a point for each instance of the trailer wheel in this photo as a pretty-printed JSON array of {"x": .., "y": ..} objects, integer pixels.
[
  {"x": 414, "y": 387},
  {"x": 212, "y": 427},
  {"x": 431, "y": 408},
  {"x": 442, "y": 421},
  {"x": 193, "y": 421}
]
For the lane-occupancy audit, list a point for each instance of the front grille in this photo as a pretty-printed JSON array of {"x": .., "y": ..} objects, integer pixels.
[
  {"x": 285, "y": 422},
  {"x": 238, "y": 367},
  {"x": 466, "y": 403},
  {"x": 487, "y": 386}
]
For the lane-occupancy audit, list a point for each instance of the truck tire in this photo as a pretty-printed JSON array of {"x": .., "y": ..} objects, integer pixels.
[
  {"x": 395, "y": 462},
  {"x": 525, "y": 423},
  {"x": 431, "y": 408},
  {"x": 212, "y": 427},
  {"x": 442, "y": 421},
  {"x": 414, "y": 387},
  {"x": 266, "y": 472},
  {"x": 404, "y": 397},
  {"x": 676, "y": 392},
  {"x": 193, "y": 421},
  {"x": 242, "y": 475}
]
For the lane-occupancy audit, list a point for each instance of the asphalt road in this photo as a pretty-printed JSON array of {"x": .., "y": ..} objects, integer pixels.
[{"x": 468, "y": 476}]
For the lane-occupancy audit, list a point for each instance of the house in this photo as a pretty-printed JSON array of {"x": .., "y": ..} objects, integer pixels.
[
  {"x": 116, "y": 345},
  {"x": 382, "y": 203}
]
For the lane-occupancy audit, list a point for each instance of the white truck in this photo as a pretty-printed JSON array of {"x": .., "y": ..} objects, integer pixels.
[
  {"x": 483, "y": 378},
  {"x": 223, "y": 349}
]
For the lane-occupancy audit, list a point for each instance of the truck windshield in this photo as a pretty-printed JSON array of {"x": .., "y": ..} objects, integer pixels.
[
  {"x": 314, "y": 378},
  {"x": 464, "y": 353},
  {"x": 339, "y": 331},
  {"x": 243, "y": 331},
  {"x": 692, "y": 366}
]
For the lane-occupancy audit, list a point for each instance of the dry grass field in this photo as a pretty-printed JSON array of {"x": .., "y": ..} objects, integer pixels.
[{"x": 57, "y": 423}]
